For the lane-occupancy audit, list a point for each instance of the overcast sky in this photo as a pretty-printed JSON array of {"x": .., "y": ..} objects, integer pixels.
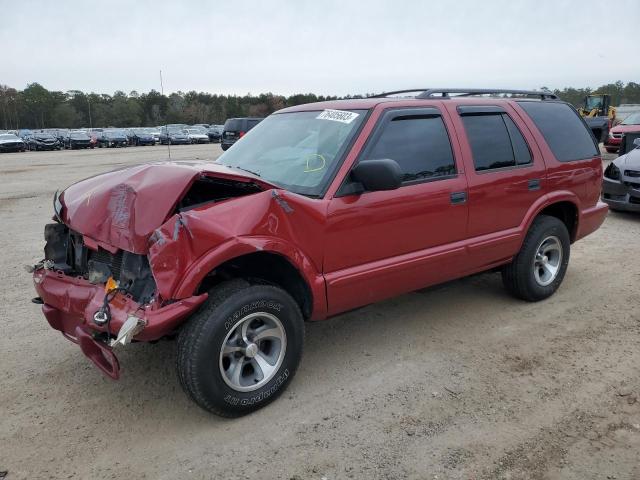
[{"x": 325, "y": 47}]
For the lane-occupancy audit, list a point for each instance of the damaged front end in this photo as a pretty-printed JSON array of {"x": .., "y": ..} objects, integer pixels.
[
  {"x": 96, "y": 284},
  {"x": 102, "y": 299}
]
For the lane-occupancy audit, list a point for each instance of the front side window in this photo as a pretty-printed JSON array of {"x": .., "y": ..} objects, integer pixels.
[
  {"x": 495, "y": 141},
  {"x": 298, "y": 151},
  {"x": 419, "y": 144}
]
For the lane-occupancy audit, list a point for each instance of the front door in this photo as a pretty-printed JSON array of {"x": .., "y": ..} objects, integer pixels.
[{"x": 383, "y": 243}]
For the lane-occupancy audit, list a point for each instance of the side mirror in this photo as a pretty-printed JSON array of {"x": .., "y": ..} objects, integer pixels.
[
  {"x": 374, "y": 175},
  {"x": 636, "y": 142}
]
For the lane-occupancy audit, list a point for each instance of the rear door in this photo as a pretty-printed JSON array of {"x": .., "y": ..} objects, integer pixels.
[
  {"x": 506, "y": 176},
  {"x": 383, "y": 243}
]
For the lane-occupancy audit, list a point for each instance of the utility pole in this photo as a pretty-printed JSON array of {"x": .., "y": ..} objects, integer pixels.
[{"x": 89, "y": 104}]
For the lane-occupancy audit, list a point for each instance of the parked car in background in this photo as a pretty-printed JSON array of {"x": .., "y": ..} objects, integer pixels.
[
  {"x": 113, "y": 138},
  {"x": 155, "y": 132},
  {"x": 10, "y": 142},
  {"x": 197, "y": 135},
  {"x": 77, "y": 139},
  {"x": 235, "y": 128},
  {"x": 201, "y": 125},
  {"x": 42, "y": 141},
  {"x": 24, "y": 133},
  {"x": 61, "y": 134},
  {"x": 215, "y": 133},
  {"x": 174, "y": 136},
  {"x": 621, "y": 184},
  {"x": 142, "y": 136},
  {"x": 630, "y": 124}
]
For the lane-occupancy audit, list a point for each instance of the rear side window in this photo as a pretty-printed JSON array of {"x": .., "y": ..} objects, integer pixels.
[
  {"x": 420, "y": 145},
  {"x": 563, "y": 130},
  {"x": 495, "y": 141}
]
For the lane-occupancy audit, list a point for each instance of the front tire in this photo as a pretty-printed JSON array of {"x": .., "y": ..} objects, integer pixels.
[
  {"x": 538, "y": 269},
  {"x": 241, "y": 349}
]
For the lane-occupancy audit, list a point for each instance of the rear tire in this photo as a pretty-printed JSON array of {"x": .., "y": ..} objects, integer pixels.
[
  {"x": 223, "y": 348},
  {"x": 538, "y": 269}
]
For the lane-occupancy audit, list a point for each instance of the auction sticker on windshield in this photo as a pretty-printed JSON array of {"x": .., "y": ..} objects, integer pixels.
[{"x": 338, "y": 116}]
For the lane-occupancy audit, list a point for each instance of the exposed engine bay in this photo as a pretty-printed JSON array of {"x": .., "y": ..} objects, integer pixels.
[
  {"x": 208, "y": 189},
  {"x": 66, "y": 251}
]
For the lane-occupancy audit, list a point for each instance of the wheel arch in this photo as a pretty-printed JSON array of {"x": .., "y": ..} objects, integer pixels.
[
  {"x": 562, "y": 205},
  {"x": 260, "y": 260}
]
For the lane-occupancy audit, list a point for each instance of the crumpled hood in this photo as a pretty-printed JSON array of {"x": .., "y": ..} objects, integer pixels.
[{"x": 122, "y": 208}]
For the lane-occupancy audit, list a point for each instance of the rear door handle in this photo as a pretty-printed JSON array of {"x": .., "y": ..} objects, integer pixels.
[
  {"x": 458, "y": 198},
  {"x": 534, "y": 184}
]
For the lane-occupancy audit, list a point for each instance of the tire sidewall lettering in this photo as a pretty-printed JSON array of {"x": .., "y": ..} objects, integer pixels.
[
  {"x": 250, "y": 307},
  {"x": 277, "y": 383}
]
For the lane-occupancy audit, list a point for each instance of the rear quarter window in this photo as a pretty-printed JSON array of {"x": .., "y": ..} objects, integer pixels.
[{"x": 562, "y": 128}]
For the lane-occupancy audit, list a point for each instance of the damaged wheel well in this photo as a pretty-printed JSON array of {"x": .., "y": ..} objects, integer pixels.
[{"x": 264, "y": 267}]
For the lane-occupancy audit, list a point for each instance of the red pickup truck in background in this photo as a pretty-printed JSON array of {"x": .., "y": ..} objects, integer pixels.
[{"x": 319, "y": 209}]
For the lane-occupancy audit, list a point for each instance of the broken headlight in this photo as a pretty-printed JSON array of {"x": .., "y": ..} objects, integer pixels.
[
  {"x": 612, "y": 172},
  {"x": 57, "y": 205}
]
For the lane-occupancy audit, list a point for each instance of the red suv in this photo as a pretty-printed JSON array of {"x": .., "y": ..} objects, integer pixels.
[{"x": 319, "y": 209}]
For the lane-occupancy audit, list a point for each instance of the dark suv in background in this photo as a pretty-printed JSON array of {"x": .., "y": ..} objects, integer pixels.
[{"x": 236, "y": 128}]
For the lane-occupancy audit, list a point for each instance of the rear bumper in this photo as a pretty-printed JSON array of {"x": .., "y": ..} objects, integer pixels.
[
  {"x": 70, "y": 304},
  {"x": 590, "y": 219},
  {"x": 620, "y": 196}
]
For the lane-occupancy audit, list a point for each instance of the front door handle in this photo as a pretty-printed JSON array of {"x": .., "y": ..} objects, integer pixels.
[{"x": 458, "y": 198}]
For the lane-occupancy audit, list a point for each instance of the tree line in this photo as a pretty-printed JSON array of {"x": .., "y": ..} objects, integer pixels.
[{"x": 36, "y": 107}]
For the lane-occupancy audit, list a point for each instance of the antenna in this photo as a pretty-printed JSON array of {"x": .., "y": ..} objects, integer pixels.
[{"x": 165, "y": 125}]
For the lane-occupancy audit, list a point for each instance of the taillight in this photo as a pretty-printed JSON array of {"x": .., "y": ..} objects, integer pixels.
[{"x": 241, "y": 134}]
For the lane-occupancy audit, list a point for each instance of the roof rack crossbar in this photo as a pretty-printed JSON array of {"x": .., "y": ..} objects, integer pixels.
[{"x": 468, "y": 92}]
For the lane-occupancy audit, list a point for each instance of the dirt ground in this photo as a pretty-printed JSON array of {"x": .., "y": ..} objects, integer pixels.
[{"x": 459, "y": 381}]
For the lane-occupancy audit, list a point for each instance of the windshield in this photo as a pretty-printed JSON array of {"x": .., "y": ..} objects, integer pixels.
[
  {"x": 8, "y": 137},
  {"x": 298, "y": 151},
  {"x": 78, "y": 136},
  {"x": 594, "y": 102},
  {"x": 633, "y": 119}
]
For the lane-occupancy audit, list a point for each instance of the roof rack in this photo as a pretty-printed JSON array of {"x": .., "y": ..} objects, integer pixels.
[{"x": 468, "y": 92}]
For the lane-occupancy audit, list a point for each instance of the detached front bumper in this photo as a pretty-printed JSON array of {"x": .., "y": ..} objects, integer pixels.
[
  {"x": 70, "y": 303},
  {"x": 620, "y": 195}
]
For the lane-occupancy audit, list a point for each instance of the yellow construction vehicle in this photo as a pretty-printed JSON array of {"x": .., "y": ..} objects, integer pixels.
[
  {"x": 599, "y": 114},
  {"x": 598, "y": 105}
]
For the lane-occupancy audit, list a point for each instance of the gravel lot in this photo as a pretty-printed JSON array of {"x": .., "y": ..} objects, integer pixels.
[{"x": 457, "y": 381}]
